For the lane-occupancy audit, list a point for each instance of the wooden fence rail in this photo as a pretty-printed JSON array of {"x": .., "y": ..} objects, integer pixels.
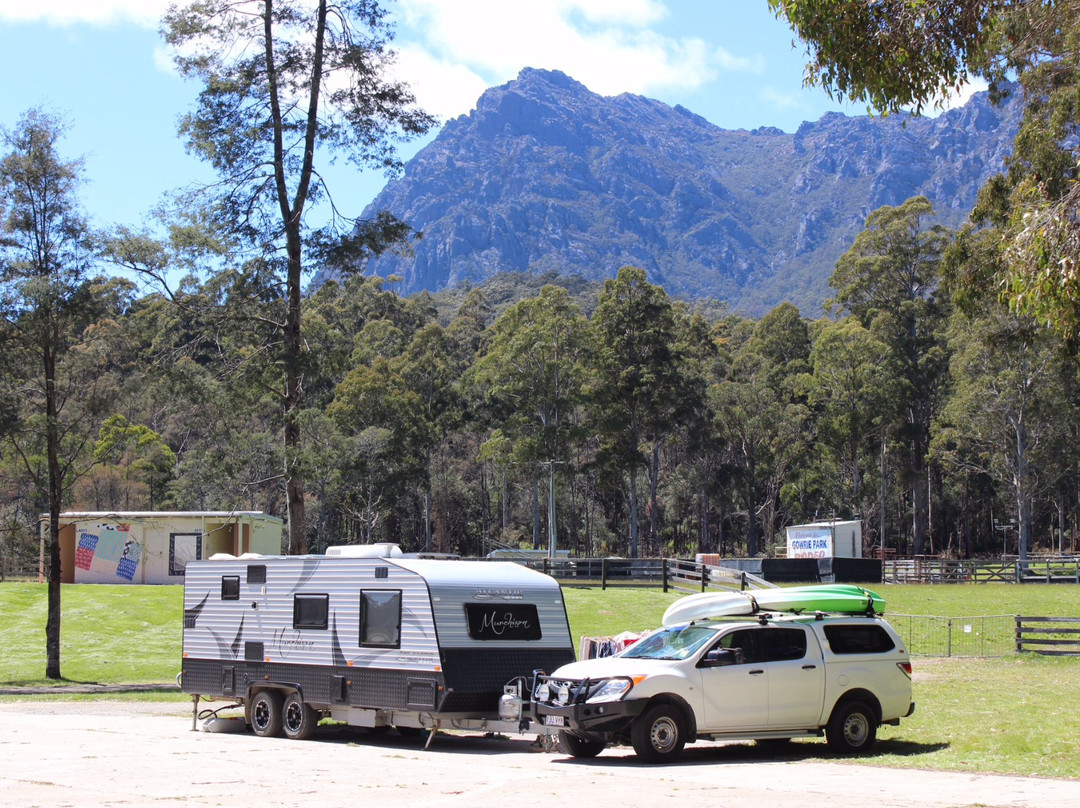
[
  {"x": 1050, "y": 636},
  {"x": 937, "y": 570},
  {"x": 662, "y": 573}
]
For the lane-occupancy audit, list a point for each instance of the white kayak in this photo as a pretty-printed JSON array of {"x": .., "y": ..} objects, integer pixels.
[
  {"x": 706, "y": 605},
  {"x": 835, "y": 598}
]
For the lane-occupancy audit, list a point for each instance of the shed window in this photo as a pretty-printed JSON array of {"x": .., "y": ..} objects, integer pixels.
[
  {"x": 230, "y": 587},
  {"x": 380, "y": 618},
  {"x": 311, "y": 611}
]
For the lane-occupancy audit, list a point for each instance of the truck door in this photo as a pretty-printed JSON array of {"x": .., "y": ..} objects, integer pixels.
[
  {"x": 736, "y": 696},
  {"x": 796, "y": 675}
]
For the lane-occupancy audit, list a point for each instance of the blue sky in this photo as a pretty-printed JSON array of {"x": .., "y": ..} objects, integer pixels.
[{"x": 102, "y": 66}]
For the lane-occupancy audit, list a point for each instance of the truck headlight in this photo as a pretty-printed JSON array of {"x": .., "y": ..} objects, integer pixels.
[{"x": 611, "y": 690}]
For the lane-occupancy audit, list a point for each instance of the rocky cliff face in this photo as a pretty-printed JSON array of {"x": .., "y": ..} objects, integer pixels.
[{"x": 547, "y": 176}]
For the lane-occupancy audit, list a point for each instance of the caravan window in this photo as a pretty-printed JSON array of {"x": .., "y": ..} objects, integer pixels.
[
  {"x": 380, "y": 618},
  {"x": 230, "y": 587},
  {"x": 311, "y": 611}
]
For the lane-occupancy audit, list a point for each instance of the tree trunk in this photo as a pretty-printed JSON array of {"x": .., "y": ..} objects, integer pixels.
[
  {"x": 633, "y": 512},
  {"x": 536, "y": 515},
  {"x": 56, "y": 494},
  {"x": 553, "y": 536},
  {"x": 504, "y": 501},
  {"x": 294, "y": 390},
  {"x": 703, "y": 536},
  {"x": 654, "y": 482},
  {"x": 427, "y": 516},
  {"x": 883, "y": 493},
  {"x": 919, "y": 509}
]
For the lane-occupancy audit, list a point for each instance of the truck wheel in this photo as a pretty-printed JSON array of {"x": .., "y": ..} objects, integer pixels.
[
  {"x": 852, "y": 728},
  {"x": 659, "y": 733},
  {"x": 266, "y": 713},
  {"x": 580, "y": 747},
  {"x": 298, "y": 718}
]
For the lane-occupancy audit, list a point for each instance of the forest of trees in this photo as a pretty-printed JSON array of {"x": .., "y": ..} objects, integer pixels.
[
  {"x": 662, "y": 427},
  {"x": 937, "y": 400}
]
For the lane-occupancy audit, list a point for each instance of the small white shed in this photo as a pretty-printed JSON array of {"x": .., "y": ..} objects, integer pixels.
[
  {"x": 825, "y": 540},
  {"x": 153, "y": 547}
]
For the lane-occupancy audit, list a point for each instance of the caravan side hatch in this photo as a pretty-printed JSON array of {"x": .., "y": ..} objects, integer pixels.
[
  {"x": 420, "y": 694},
  {"x": 339, "y": 690}
]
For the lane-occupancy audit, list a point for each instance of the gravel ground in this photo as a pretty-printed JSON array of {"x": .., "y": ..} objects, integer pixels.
[{"x": 144, "y": 753}]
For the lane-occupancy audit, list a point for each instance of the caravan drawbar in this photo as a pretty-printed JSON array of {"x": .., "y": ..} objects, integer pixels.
[{"x": 368, "y": 637}]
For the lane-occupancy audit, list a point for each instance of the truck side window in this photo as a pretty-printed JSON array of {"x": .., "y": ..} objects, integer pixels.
[
  {"x": 865, "y": 639},
  {"x": 311, "y": 611},
  {"x": 380, "y": 618},
  {"x": 779, "y": 644},
  {"x": 743, "y": 639}
]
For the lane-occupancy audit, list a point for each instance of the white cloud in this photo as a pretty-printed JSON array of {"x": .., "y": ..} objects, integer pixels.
[
  {"x": 958, "y": 99},
  {"x": 777, "y": 99},
  {"x": 73, "y": 12},
  {"x": 952, "y": 100},
  {"x": 738, "y": 64},
  {"x": 608, "y": 45},
  {"x": 445, "y": 90}
]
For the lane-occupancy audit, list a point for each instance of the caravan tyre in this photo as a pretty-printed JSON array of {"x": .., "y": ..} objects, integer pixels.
[
  {"x": 266, "y": 713},
  {"x": 299, "y": 719}
]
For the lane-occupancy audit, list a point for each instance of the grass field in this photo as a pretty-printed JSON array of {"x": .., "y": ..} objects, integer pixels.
[{"x": 1011, "y": 714}]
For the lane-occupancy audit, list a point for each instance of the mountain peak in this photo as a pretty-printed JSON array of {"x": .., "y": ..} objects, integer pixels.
[
  {"x": 537, "y": 78},
  {"x": 547, "y": 176}
]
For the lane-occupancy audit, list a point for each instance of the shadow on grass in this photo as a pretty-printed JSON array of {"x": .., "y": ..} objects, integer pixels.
[{"x": 48, "y": 687}]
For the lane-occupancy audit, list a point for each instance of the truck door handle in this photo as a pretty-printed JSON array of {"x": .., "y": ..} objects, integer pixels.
[
  {"x": 809, "y": 667},
  {"x": 757, "y": 672}
]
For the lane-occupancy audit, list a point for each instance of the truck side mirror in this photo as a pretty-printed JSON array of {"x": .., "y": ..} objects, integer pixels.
[{"x": 721, "y": 657}]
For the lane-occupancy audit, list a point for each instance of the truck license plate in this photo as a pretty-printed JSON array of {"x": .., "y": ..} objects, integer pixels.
[{"x": 554, "y": 721}]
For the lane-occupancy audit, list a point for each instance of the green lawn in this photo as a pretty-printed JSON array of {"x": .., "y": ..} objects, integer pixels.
[
  {"x": 110, "y": 634},
  {"x": 1010, "y": 714}
]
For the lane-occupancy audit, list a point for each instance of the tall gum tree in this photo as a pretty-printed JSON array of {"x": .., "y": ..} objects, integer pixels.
[
  {"x": 888, "y": 281},
  {"x": 909, "y": 54},
  {"x": 532, "y": 374},
  {"x": 637, "y": 378},
  {"x": 45, "y": 296},
  {"x": 287, "y": 84}
]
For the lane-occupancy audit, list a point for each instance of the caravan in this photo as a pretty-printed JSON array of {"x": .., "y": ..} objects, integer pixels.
[{"x": 368, "y": 637}]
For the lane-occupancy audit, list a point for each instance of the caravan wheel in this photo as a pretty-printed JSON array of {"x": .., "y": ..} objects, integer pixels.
[
  {"x": 299, "y": 720},
  {"x": 266, "y": 713}
]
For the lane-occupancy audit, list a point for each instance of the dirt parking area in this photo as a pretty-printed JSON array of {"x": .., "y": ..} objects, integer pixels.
[{"x": 114, "y": 753}]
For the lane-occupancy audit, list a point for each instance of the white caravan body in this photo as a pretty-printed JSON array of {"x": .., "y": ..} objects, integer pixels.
[{"x": 372, "y": 640}]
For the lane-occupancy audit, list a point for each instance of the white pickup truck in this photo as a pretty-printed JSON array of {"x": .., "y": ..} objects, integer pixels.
[{"x": 764, "y": 678}]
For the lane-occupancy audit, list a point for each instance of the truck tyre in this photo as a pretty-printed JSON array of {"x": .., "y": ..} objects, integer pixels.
[
  {"x": 298, "y": 718},
  {"x": 266, "y": 713},
  {"x": 659, "y": 733},
  {"x": 580, "y": 747},
  {"x": 852, "y": 728}
]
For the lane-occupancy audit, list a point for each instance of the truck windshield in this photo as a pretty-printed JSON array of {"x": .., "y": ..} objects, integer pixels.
[{"x": 678, "y": 642}]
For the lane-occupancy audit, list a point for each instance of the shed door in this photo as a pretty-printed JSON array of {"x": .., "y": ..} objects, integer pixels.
[{"x": 183, "y": 547}]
